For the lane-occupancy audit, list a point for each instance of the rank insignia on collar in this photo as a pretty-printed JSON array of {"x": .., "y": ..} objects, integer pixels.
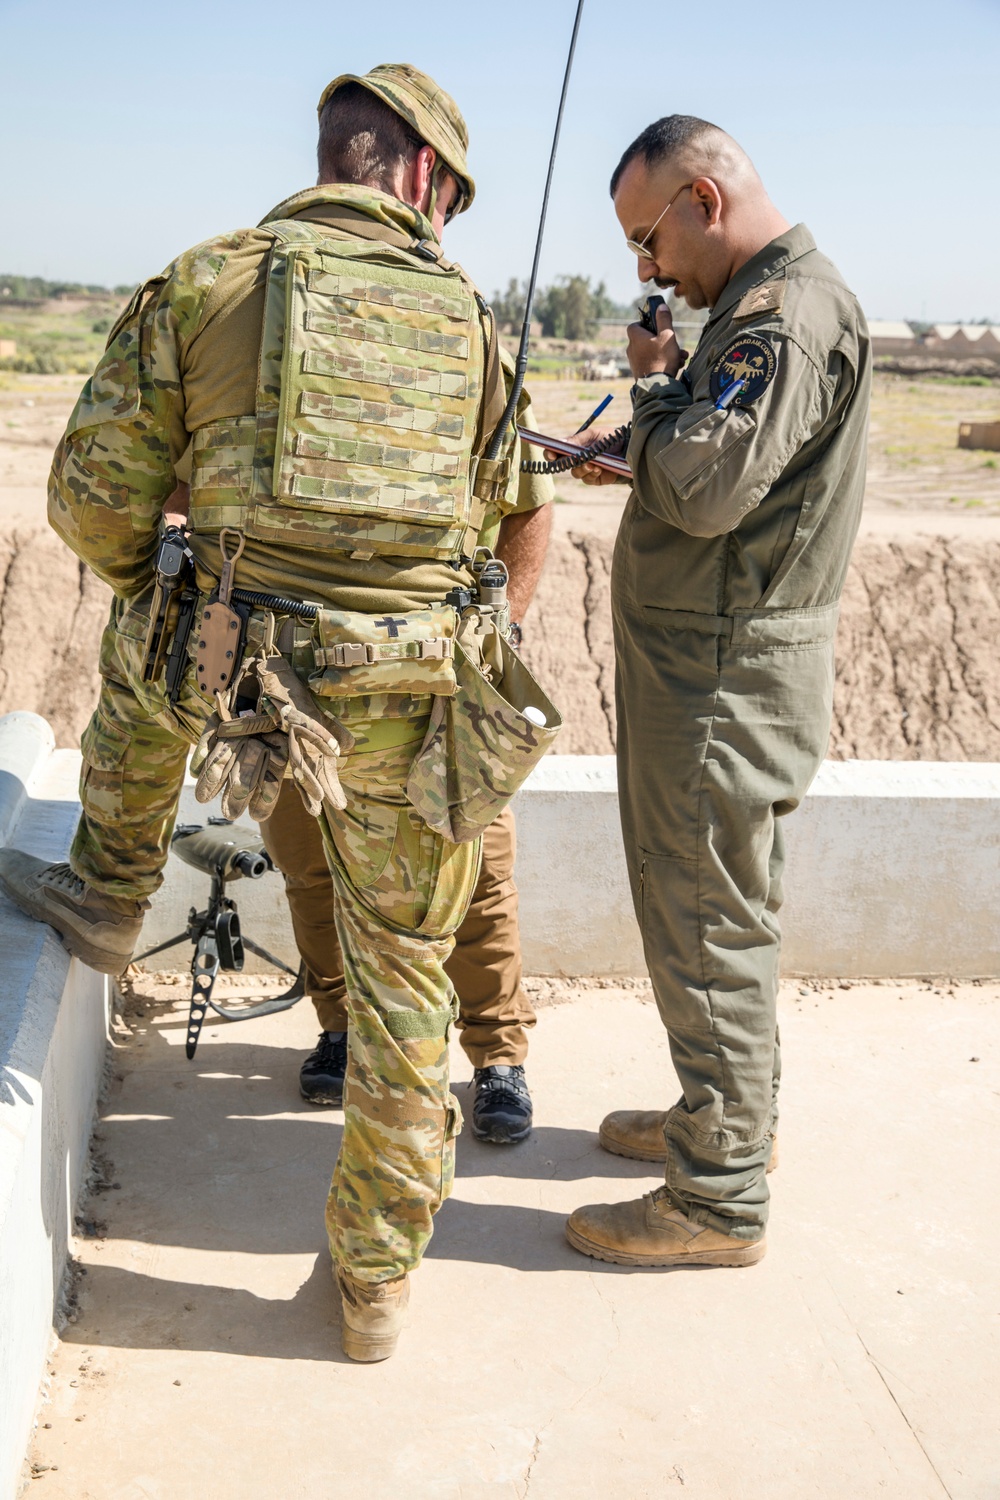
[
  {"x": 751, "y": 359},
  {"x": 761, "y": 299}
]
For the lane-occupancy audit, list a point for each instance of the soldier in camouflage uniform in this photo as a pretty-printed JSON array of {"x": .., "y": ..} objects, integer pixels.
[{"x": 340, "y": 380}]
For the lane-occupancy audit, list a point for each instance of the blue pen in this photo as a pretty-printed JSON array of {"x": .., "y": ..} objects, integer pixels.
[
  {"x": 729, "y": 394},
  {"x": 594, "y": 415}
]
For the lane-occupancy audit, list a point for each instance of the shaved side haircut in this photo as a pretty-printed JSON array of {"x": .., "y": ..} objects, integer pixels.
[
  {"x": 362, "y": 140},
  {"x": 699, "y": 144}
]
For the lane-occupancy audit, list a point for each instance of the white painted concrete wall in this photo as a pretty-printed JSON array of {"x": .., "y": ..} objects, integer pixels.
[
  {"x": 892, "y": 870},
  {"x": 53, "y": 1036}
]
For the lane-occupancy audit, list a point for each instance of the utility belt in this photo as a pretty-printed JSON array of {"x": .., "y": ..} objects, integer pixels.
[{"x": 490, "y": 721}]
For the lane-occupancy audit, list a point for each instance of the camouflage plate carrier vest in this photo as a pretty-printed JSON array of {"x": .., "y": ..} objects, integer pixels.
[{"x": 378, "y": 389}]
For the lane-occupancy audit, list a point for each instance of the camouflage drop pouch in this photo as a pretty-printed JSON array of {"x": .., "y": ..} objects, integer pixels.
[
  {"x": 412, "y": 652},
  {"x": 480, "y": 746}
]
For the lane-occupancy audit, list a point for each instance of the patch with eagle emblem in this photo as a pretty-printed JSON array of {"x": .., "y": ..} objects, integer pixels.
[{"x": 751, "y": 359}]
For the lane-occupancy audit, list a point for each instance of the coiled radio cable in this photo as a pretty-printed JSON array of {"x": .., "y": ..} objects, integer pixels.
[{"x": 607, "y": 444}]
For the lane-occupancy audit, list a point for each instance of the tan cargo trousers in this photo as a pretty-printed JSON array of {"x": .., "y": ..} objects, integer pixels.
[{"x": 495, "y": 1014}]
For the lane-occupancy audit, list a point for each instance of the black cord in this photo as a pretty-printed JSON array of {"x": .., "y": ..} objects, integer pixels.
[
  {"x": 276, "y": 603},
  {"x": 607, "y": 444}
]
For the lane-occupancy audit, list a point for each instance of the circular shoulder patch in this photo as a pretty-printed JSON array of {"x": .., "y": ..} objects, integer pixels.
[{"x": 751, "y": 359}]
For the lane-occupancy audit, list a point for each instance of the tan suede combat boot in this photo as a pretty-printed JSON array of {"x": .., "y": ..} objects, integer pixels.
[
  {"x": 638, "y": 1134},
  {"x": 649, "y": 1231},
  {"x": 373, "y": 1315},
  {"x": 102, "y": 931}
]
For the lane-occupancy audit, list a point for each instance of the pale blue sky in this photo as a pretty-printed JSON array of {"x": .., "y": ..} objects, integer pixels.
[{"x": 130, "y": 132}]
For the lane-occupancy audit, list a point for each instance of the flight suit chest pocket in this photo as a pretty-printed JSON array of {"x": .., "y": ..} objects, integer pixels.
[{"x": 698, "y": 453}]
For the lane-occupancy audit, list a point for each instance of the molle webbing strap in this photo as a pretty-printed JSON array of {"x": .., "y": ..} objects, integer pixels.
[
  {"x": 489, "y": 476},
  {"x": 494, "y": 394},
  {"x": 363, "y": 653}
]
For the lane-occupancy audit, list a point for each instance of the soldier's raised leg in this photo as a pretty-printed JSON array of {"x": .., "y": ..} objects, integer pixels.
[{"x": 130, "y": 779}]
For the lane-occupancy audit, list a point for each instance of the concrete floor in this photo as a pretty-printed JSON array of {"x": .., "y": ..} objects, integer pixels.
[{"x": 858, "y": 1360}]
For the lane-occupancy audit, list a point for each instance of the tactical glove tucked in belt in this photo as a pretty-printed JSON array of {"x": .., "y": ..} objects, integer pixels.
[{"x": 246, "y": 757}]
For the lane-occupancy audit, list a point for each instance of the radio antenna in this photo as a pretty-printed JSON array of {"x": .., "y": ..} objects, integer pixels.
[{"x": 521, "y": 365}]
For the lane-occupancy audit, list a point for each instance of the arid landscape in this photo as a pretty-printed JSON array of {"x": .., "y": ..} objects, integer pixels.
[{"x": 918, "y": 676}]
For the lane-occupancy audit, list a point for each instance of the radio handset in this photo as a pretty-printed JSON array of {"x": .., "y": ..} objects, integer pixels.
[{"x": 648, "y": 310}]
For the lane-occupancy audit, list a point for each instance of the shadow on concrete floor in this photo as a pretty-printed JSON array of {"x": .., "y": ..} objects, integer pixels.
[
  {"x": 222, "y": 1155},
  {"x": 130, "y": 1310}
]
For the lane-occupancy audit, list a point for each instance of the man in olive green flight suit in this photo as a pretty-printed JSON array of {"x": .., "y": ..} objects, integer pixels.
[{"x": 748, "y": 473}]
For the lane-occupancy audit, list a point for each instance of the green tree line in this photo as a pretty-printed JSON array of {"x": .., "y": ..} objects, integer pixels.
[
  {"x": 32, "y": 288},
  {"x": 568, "y": 309}
]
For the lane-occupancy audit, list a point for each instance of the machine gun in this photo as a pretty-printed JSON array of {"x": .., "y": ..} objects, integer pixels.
[{"x": 226, "y": 853}]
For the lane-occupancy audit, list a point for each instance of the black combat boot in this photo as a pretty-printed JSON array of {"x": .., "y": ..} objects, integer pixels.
[
  {"x": 501, "y": 1112},
  {"x": 322, "y": 1077}
]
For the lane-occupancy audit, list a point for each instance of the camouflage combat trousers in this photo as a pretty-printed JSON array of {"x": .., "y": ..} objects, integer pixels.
[
  {"x": 495, "y": 1014},
  {"x": 401, "y": 891}
]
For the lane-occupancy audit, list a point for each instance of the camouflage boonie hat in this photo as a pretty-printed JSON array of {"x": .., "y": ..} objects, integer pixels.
[{"x": 426, "y": 108}]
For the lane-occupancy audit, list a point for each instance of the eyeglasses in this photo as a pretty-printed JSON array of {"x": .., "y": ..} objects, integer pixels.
[
  {"x": 640, "y": 246},
  {"x": 459, "y": 201}
]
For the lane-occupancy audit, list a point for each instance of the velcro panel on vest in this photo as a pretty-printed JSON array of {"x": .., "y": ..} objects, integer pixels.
[
  {"x": 417, "y": 1025},
  {"x": 411, "y": 652},
  {"x": 369, "y": 367}
]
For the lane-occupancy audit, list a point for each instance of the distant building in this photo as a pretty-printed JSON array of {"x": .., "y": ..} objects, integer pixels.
[
  {"x": 979, "y": 435},
  {"x": 8, "y": 348},
  {"x": 965, "y": 340},
  {"x": 893, "y": 338}
]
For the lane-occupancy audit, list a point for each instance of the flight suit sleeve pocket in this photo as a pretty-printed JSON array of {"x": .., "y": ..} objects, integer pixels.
[{"x": 698, "y": 453}]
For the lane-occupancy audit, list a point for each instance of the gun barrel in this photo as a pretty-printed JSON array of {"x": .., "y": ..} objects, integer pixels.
[{"x": 222, "y": 849}]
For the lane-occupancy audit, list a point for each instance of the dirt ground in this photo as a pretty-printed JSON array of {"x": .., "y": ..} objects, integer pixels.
[{"x": 917, "y": 674}]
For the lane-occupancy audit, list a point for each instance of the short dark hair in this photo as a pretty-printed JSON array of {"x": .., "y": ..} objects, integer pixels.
[
  {"x": 662, "y": 139},
  {"x": 362, "y": 140}
]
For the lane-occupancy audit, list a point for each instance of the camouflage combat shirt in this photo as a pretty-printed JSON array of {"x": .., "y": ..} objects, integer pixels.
[{"x": 196, "y": 362}]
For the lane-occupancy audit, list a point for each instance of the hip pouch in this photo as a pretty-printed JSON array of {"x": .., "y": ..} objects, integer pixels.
[
  {"x": 410, "y": 653},
  {"x": 480, "y": 746}
]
